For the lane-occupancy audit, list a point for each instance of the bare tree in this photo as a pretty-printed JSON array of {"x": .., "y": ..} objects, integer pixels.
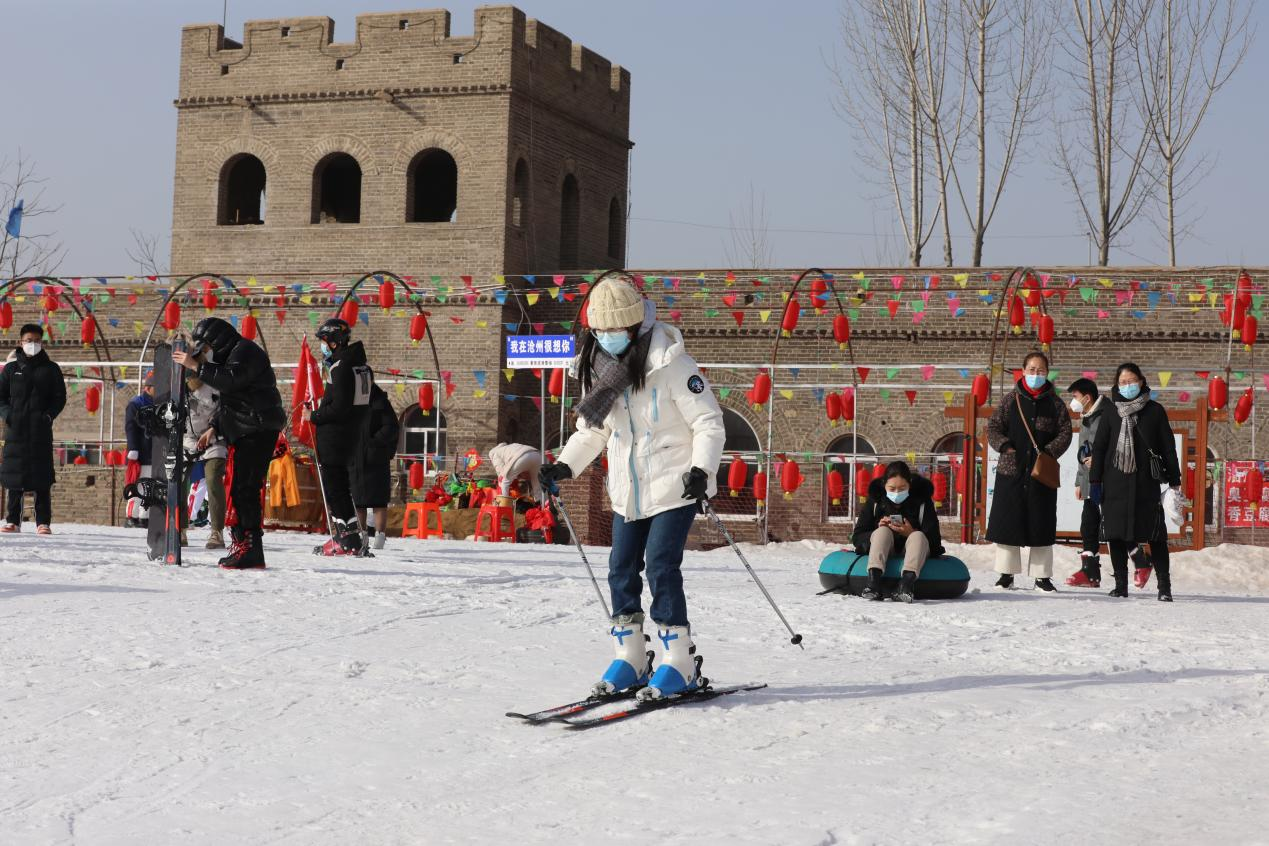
[
  {"x": 1190, "y": 50},
  {"x": 1104, "y": 151},
  {"x": 33, "y": 253},
  {"x": 1006, "y": 54},
  {"x": 144, "y": 252},
  {"x": 879, "y": 95},
  {"x": 748, "y": 241}
]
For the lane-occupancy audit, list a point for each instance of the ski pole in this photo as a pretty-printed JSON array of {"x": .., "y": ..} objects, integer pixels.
[
  {"x": 321, "y": 486},
  {"x": 554, "y": 493},
  {"x": 708, "y": 509}
]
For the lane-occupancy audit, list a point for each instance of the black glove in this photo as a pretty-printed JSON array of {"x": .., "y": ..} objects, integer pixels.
[
  {"x": 695, "y": 485},
  {"x": 550, "y": 475}
]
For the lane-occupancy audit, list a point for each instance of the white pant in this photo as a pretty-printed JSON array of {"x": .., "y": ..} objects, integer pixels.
[{"x": 1039, "y": 561}]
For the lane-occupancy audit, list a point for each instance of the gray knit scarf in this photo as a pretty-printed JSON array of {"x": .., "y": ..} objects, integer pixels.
[
  {"x": 609, "y": 379},
  {"x": 1125, "y": 455}
]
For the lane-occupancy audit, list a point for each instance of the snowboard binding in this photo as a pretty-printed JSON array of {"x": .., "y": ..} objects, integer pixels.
[{"x": 151, "y": 492}]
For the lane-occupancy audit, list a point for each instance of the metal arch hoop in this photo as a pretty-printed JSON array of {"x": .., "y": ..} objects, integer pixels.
[
  {"x": 1017, "y": 277},
  {"x": 100, "y": 344},
  {"x": 176, "y": 289}
]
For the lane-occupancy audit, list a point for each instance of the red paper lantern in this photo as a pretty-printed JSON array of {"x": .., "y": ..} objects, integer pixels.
[
  {"x": 172, "y": 316},
  {"x": 833, "y": 408},
  {"x": 863, "y": 478},
  {"x": 761, "y": 390},
  {"x": 819, "y": 294},
  {"x": 555, "y": 385},
  {"x": 6, "y": 315},
  {"x": 210, "y": 300},
  {"x": 114, "y": 458},
  {"x": 790, "y": 320},
  {"x": 387, "y": 295},
  {"x": 1217, "y": 394},
  {"x": 248, "y": 328},
  {"x": 760, "y": 487},
  {"x": 52, "y": 302},
  {"x": 1044, "y": 330},
  {"x": 737, "y": 475},
  {"x": 348, "y": 311},
  {"x": 790, "y": 478},
  {"x": 981, "y": 389},
  {"x": 427, "y": 398},
  {"x": 416, "y": 475},
  {"x": 88, "y": 331},
  {"x": 1228, "y": 311},
  {"x": 418, "y": 327},
  {"x": 940, "y": 489},
  {"x": 1240, "y": 314},
  {"x": 1251, "y": 328},
  {"x": 848, "y": 405},
  {"x": 836, "y": 486},
  {"x": 879, "y": 471},
  {"x": 1253, "y": 487},
  {"x": 1017, "y": 314},
  {"x": 92, "y": 398},
  {"x": 81, "y": 459},
  {"x": 1033, "y": 291},
  {"x": 1243, "y": 409},
  {"x": 841, "y": 330},
  {"x": 1244, "y": 289}
]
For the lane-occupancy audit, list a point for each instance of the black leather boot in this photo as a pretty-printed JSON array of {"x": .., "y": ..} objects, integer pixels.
[
  {"x": 1163, "y": 575},
  {"x": 906, "y": 592},
  {"x": 1121, "y": 580},
  {"x": 873, "y": 591}
]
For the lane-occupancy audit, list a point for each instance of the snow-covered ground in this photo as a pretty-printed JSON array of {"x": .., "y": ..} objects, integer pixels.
[{"x": 361, "y": 702}]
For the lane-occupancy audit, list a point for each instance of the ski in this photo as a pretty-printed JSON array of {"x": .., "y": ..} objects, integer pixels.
[
  {"x": 175, "y": 413},
  {"x": 547, "y": 715},
  {"x": 700, "y": 695}
]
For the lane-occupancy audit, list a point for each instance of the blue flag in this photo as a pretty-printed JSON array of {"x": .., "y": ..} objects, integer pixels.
[{"x": 14, "y": 226}]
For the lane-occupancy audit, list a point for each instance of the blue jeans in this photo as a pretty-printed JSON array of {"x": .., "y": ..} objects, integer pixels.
[{"x": 657, "y": 541}]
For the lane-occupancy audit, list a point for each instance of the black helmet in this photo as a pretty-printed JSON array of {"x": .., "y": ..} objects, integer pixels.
[
  {"x": 217, "y": 334},
  {"x": 336, "y": 330}
]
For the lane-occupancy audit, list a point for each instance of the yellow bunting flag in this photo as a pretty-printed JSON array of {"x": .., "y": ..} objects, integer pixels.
[
  {"x": 509, "y": 373},
  {"x": 138, "y": 327},
  {"x": 1106, "y": 283},
  {"x": 764, "y": 315},
  {"x": 911, "y": 456},
  {"x": 553, "y": 291},
  {"x": 1165, "y": 377},
  {"x": 478, "y": 393},
  {"x": 947, "y": 397},
  {"x": 400, "y": 389},
  {"x": 960, "y": 278},
  {"x": 787, "y": 394},
  {"x": 482, "y": 324},
  {"x": 532, "y": 299}
]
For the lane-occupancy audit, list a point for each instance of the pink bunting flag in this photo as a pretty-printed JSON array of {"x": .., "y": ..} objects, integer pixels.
[
  {"x": 1089, "y": 374},
  {"x": 927, "y": 372},
  {"x": 897, "y": 282},
  {"x": 1102, "y": 314},
  {"x": 1184, "y": 396},
  {"x": 953, "y": 305}
]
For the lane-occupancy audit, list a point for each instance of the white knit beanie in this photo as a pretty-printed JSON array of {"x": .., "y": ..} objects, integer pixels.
[{"x": 614, "y": 304}]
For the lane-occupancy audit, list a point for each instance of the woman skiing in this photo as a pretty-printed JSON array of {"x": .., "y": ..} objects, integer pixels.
[
  {"x": 898, "y": 519},
  {"x": 1134, "y": 453},
  {"x": 645, "y": 400}
]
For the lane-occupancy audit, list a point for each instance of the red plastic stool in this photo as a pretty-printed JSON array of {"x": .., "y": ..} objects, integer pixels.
[
  {"x": 423, "y": 527},
  {"x": 497, "y": 531}
]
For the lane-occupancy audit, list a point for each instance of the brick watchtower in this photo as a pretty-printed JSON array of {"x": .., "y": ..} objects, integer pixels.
[{"x": 405, "y": 148}]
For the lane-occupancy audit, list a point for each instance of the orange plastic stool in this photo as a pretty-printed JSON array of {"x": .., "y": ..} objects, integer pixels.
[
  {"x": 495, "y": 532},
  {"x": 423, "y": 527}
]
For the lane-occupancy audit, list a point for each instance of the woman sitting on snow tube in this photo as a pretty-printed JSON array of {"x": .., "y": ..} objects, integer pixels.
[{"x": 899, "y": 518}]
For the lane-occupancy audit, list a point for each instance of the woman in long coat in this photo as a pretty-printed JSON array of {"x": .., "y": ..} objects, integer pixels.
[
  {"x": 1134, "y": 454},
  {"x": 1024, "y": 511}
]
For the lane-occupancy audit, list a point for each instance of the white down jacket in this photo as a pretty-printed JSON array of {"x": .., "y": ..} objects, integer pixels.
[{"x": 655, "y": 435}]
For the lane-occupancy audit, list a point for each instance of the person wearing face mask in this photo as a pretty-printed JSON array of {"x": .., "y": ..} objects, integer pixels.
[
  {"x": 645, "y": 400},
  {"x": 1023, "y": 510},
  {"x": 203, "y": 403},
  {"x": 1134, "y": 454},
  {"x": 249, "y": 419},
  {"x": 1087, "y": 402},
  {"x": 140, "y": 444},
  {"x": 32, "y": 394},
  {"x": 898, "y": 519},
  {"x": 339, "y": 419}
]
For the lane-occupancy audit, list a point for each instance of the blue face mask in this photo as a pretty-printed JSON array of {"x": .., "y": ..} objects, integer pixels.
[
  {"x": 1035, "y": 380},
  {"x": 325, "y": 350},
  {"x": 897, "y": 497},
  {"x": 614, "y": 343},
  {"x": 1130, "y": 392}
]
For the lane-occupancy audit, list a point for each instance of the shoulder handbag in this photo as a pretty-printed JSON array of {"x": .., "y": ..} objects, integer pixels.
[{"x": 1045, "y": 470}]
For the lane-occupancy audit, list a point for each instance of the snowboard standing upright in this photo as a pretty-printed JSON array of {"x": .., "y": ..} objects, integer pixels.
[
  {"x": 175, "y": 414},
  {"x": 155, "y": 530}
]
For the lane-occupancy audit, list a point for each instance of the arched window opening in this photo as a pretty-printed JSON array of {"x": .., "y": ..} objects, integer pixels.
[
  {"x": 844, "y": 455},
  {"x": 740, "y": 440},
  {"x": 337, "y": 190},
  {"x": 242, "y": 184},
  {"x": 423, "y": 434},
  {"x": 519, "y": 193},
  {"x": 946, "y": 462},
  {"x": 433, "y": 187}
]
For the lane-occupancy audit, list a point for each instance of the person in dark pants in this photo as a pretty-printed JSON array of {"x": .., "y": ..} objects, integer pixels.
[
  {"x": 32, "y": 394},
  {"x": 1092, "y": 408},
  {"x": 338, "y": 420},
  {"x": 372, "y": 470},
  {"x": 140, "y": 444},
  {"x": 1024, "y": 511},
  {"x": 1133, "y": 456},
  {"x": 250, "y": 418}
]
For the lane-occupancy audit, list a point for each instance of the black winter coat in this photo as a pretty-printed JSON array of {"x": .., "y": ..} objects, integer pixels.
[
  {"x": 32, "y": 394},
  {"x": 243, "y": 376},
  {"x": 918, "y": 510},
  {"x": 342, "y": 411},
  {"x": 372, "y": 471},
  {"x": 1023, "y": 511},
  {"x": 1131, "y": 502},
  {"x": 138, "y": 438}
]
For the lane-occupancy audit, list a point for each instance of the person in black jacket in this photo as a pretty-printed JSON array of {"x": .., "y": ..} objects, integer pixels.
[
  {"x": 1134, "y": 454},
  {"x": 1093, "y": 409},
  {"x": 249, "y": 419},
  {"x": 898, "y": 518},
  {"x": 338, "y": 420},
  {"x": 1024, "y": 511},
  {"x": 32, "y": 394},
  {"x": 140, "y": 444},
  {"x": 372, "y": 469}
]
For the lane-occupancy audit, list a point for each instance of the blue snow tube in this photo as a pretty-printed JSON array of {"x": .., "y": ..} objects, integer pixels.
[{"x": 845, "y": 571}]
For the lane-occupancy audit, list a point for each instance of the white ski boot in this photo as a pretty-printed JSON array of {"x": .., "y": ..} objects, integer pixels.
[
  {"x": 632, "y": 663},
  {"x": 680, "y": 667},
  {"x": 380, "y": 539}
]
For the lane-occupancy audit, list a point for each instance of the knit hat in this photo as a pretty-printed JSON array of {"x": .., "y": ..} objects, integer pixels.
[{"x": 614, "y": 304}]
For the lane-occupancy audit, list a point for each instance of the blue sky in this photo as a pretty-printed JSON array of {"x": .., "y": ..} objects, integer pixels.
[{"x": 725, "y": 94}]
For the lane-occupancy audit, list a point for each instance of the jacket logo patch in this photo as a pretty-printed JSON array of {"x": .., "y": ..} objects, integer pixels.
[{"x": 696, "y": 384}]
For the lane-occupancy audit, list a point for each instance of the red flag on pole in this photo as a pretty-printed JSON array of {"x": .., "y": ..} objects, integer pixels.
[{"x": 308, "y": 388}]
